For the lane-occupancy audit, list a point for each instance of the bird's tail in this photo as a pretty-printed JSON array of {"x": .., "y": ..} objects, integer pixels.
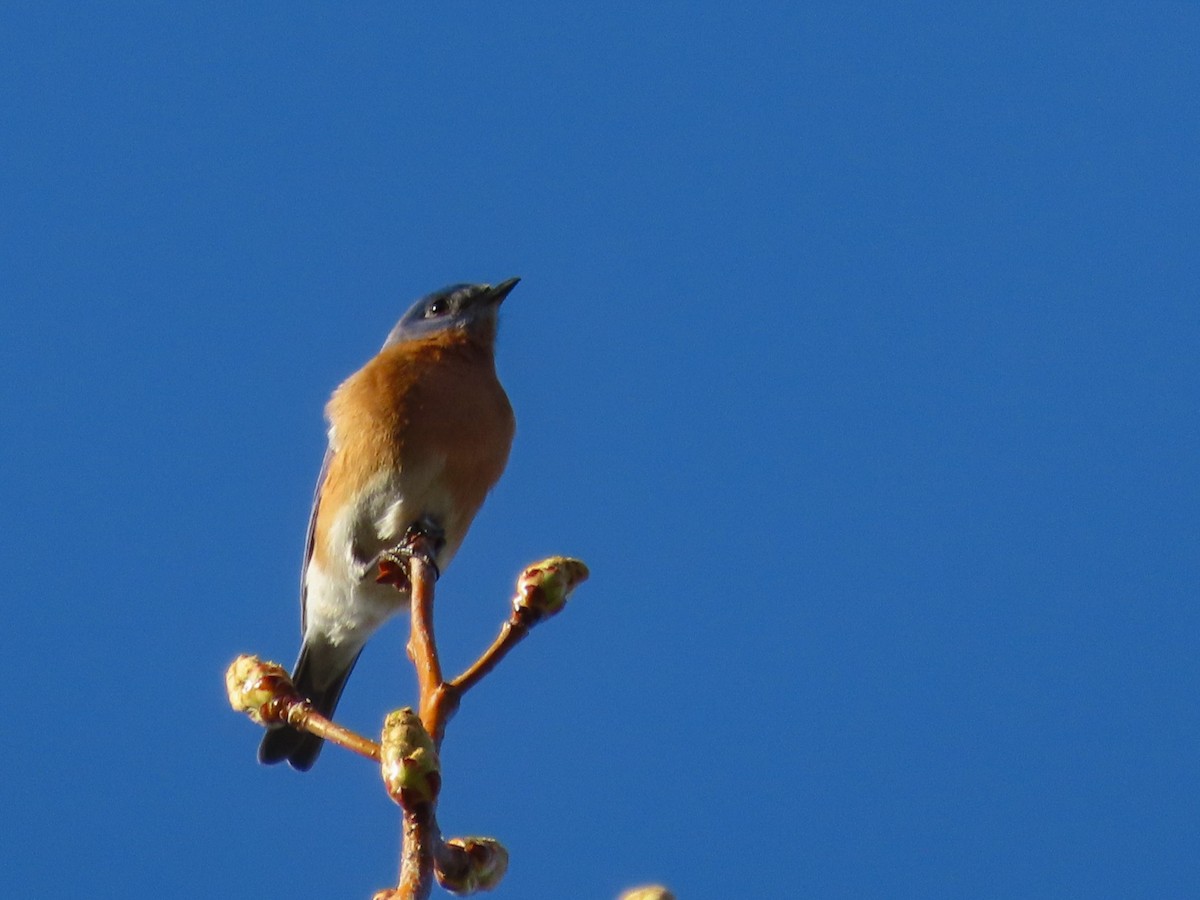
[{"x": 300, "y": 748}]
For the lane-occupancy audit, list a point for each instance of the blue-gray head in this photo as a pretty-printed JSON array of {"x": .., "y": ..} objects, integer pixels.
[{"x": 470, "y": 308}]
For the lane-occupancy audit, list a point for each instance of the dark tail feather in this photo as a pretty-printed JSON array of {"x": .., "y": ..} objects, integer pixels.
[{"x": 300, "y": 748}]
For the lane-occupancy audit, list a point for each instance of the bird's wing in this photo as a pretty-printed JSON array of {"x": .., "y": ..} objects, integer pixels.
[{"x": 311, "y": 538}]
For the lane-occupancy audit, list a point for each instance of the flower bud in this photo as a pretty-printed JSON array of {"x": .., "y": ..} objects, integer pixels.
[
  {"x": 484, "y": 863},
  {"x": 409, "y": 760},
  {"x": 256, "y": 688},
  {"x": 544, "y": 587},
  {"x": 647, "y": 892}
]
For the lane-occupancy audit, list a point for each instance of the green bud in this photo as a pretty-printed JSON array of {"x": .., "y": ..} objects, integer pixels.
[
  {"x": 544, "y": 587},
  {"x": 408, "y": 759},
  {"x": 255, "y": 687},
  {"x": 484, "y": 863}
]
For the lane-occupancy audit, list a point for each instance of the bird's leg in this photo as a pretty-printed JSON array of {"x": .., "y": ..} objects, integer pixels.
[{"x": 425, "y": 537}]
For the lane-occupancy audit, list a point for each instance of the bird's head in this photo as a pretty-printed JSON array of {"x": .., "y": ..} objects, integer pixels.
[{"x": 469, "y": 308}]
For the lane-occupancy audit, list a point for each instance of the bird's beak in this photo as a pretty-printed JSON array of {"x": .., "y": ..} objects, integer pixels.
[{"x": 501, "y": 290}]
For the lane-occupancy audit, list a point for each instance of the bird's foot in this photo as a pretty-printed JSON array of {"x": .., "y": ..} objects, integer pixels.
[
  {"x": 424, "y": 538},
  {"x": 392, "y": 568}
]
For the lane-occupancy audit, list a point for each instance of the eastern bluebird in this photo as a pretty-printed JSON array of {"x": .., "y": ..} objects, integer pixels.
[{"x": 421, "y": 433}]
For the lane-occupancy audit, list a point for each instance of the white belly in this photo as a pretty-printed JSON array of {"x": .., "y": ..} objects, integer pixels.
[{"x": 343, "y": 602}]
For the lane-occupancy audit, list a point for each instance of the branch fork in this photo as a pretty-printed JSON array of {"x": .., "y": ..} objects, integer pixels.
[{"x": 408, "y": 750}]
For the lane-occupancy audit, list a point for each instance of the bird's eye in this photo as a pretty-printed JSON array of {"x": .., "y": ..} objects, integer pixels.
[{"x": 436, "y": 308}]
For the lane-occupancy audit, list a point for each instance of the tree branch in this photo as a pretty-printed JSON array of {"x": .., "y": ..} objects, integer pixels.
[{"x": 408, "y": 749}]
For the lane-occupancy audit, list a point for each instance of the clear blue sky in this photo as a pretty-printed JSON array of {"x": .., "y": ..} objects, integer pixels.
[{"x": 856, "y": 352}]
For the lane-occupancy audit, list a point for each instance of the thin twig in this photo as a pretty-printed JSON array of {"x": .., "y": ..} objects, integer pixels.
[
  {"x": 422, "y": 649},
  {"x": 512, "y": 633},
  {"x": 264, "y": 691},
  {"x": 304, "y": 717}
]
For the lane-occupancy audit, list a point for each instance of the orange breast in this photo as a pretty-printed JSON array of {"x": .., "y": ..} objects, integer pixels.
[{"x": 415, "y": 401}]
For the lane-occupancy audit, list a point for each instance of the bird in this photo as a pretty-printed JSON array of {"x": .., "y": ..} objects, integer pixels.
[{"x": 419, "y": 435}]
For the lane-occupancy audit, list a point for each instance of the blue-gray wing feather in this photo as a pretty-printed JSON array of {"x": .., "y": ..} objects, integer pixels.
[{"x": 310, "y": 540}]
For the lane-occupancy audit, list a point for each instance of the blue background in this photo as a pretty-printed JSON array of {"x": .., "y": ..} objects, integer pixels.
[{"x": 856, "y": 352}]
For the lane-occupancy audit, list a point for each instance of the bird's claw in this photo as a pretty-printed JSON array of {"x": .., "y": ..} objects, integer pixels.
[
  {"x": 393, "y": 569},
  {"x": 424, "y": 538}
]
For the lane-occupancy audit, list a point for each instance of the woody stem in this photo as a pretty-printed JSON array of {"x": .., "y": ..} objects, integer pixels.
[
  {"x": 419, "y": 842},
  {"x": 304, "y": 717},
  {"x": 512, "y": 633},
  {"x": 422, "y": 647},
  {"x": 421, "y": 837}
]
